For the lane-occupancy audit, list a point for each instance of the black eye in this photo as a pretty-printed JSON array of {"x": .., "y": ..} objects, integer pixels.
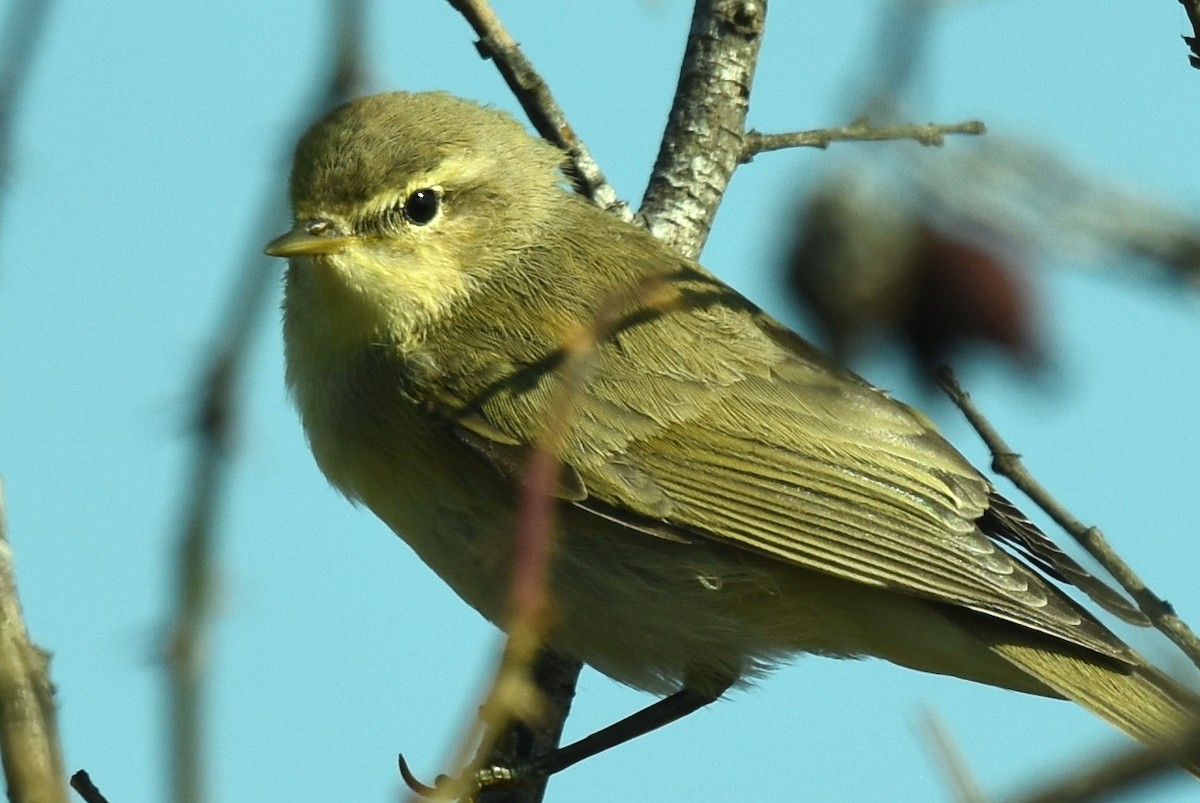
[{"x": 422, "y": 206}]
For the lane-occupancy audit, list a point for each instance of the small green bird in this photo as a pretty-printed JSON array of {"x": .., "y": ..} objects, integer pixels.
[{"x": 729, "y": 497}]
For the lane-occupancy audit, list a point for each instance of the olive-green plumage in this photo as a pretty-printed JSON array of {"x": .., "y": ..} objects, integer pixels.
[{"x": 730, "y": 497}]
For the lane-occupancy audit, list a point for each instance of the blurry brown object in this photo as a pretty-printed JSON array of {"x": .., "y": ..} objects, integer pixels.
[
  {"x": 867, "y": 267},
  {"x": 964, "y": 291}
]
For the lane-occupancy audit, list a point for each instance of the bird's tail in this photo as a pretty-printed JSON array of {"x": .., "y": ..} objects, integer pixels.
[{"x": 1133, "y": 696}]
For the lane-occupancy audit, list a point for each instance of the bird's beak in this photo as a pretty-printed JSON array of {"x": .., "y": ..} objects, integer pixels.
[{"x": 306, "y": 240}]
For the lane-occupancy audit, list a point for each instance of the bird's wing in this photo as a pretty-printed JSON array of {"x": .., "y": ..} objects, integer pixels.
[{"x": 712, "y": 421}]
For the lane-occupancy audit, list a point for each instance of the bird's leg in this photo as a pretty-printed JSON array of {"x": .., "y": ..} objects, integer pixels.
[{"x": 652, "y": 717}]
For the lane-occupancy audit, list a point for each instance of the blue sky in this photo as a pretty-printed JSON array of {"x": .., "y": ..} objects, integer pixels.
[{"x": 147, "y": 139}]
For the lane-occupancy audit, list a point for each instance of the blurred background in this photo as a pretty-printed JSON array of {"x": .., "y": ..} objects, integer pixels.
[{"x": 144, "y": 146}]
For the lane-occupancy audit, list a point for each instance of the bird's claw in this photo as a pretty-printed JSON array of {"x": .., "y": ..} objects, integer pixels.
[{"x": 488, "y": 777}]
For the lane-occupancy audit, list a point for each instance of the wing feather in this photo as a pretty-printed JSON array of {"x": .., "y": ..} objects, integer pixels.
[{"x": 707, "y": 419}]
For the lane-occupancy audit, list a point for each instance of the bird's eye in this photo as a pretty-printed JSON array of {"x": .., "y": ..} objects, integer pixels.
[{"x": 422, "y": 205}]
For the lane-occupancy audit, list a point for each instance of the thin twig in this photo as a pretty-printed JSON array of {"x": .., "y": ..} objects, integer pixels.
[
  {"x": 1008, "y": 463},
  {"x": 213, "y": 427},
  {"x": 514, "y": 694},
  {"x": 929, "y": 134},
  {"x": 1124, "y": 772},
  {"x": 702, "y": 143},
  {"x": 532, "y": 92},
  {"x": 29, "y": 745}
]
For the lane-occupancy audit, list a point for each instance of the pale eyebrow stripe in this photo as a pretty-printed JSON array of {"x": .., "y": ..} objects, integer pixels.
[{"x": 456, "y": 169}]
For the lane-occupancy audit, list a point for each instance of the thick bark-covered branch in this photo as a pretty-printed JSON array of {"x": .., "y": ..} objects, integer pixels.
[{"x": 703, "y": 141}]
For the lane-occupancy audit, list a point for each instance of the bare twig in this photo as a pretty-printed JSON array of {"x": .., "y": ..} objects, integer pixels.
[
  {"x": 22, "y": 33},
  {"x": 213, "y": 427},
  {"x": 539, "y": 104},
  {"x": 1124, "y": 772},
  {"x": 513, "y": 696},
  {"x": 525, "y": 677},
  {"x": 702, "y": 144},
  {"x": 1192, "y": 7},
  {"x": 1008, "y": 463},
  {"x": 29, "y": 746},
  {"x": 930, "y": 134}
]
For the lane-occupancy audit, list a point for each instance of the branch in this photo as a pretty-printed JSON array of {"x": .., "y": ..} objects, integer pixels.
[
  {"x": 931, "y": 134},
  {"x": 213, "y": 428},
  {"x": 513, "y": 698},
  {"x": 1008, "y": 463},
  {"x": 702, "y": 143},
  {"x": 539, "y": 104},
  {"x": 29, "y": 746}
]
